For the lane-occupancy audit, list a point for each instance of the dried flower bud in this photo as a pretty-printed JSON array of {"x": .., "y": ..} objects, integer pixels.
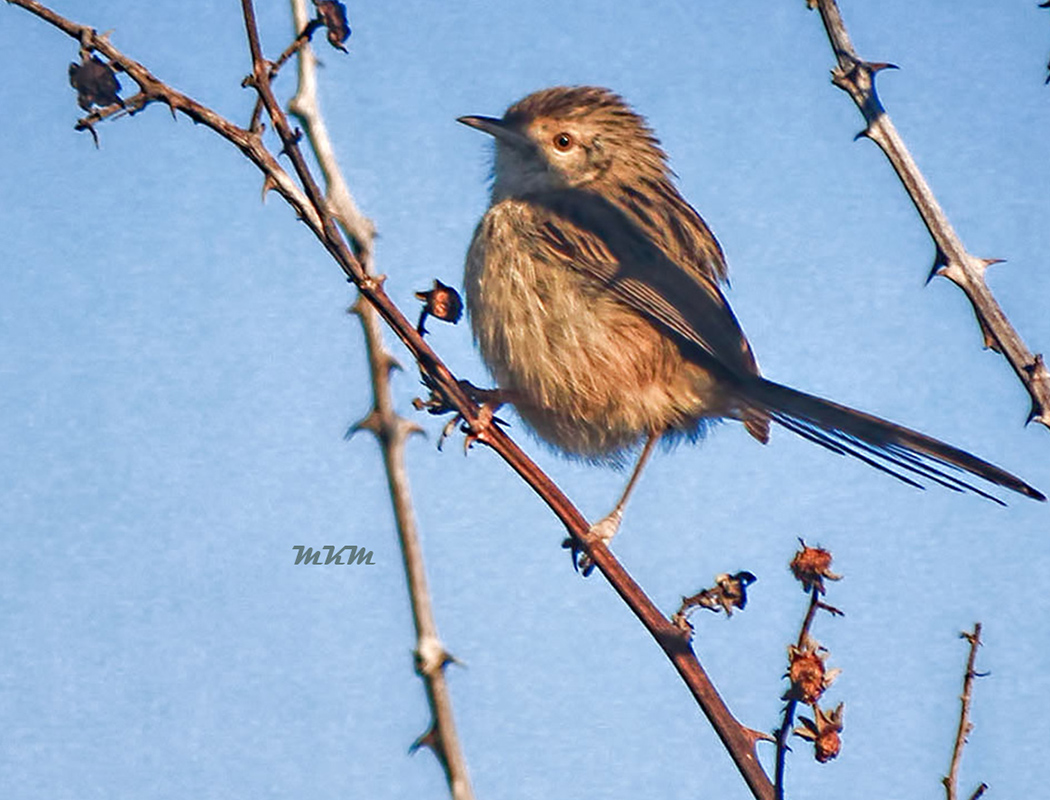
[
  {"x": 823, "y": 732},
  {"x": 729, "y": 592},
  {"x": 95, "y": 83},
  {"x": 442, "y": 302},
  {"x": 811, "y": 565},
  {"x": 808, "y": 672},
  {"x": 734, "y": 589},
  {"x": 333, "y": 14}
]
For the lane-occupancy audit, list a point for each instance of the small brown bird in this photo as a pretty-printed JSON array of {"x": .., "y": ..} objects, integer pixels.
[{"x": 593, "y": 290}]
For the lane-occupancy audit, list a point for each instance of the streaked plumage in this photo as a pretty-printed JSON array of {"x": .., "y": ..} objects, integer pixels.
[{"x": 594, "y": 294}]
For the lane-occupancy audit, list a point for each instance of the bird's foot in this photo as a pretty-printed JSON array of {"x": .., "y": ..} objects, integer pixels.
[
  {"x": 603, "y": 530},
  {"x": 488, "y": 400}
]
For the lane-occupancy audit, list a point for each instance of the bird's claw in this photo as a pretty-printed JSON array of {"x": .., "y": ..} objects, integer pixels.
[
  {"x": 603, "y": 530},
  {"x": 488, "y": 401}
]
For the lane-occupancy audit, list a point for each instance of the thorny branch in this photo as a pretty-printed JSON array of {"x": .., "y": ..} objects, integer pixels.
[
  {"x": 951, "y": 780},
  {"x": 309, "y": 203},
  {"x": 389, "y": 428},
  {"x": 857, "y": 78}
]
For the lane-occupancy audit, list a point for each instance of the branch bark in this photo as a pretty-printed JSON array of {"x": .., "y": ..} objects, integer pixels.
[
  {"x": 951, "y": 780},
  {"x": 309, "y": 203},
  {"x": 856, "y": 77},
  {"x": 390, "y": 429}
]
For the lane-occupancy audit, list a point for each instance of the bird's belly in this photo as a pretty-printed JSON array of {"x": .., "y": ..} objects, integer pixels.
[{"x": 588, "y": 374}]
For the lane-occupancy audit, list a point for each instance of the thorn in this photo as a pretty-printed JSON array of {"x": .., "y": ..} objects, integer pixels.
[
  {"x": 864, "y": 134},
  {"x": 369, "y": 422},
  {"x": 940, "y": 261},
  {"x": 760, "y": 736},
  {"x": 372, "y": 283},
  {"x": 390, "y": 363},
  {"x": 875, "y": 67},
  {"x": 1038, "y": 373},
  {"x": 297, "y": 136},
  {"x": 428, "y": 739},
  {"x": 990, "y": 342},
  {"x": 451, "y": 659},
  {"x": 412, "y": 428},
  {"x": 987, "y": 262},
  {"x": 269, "y": 184}
]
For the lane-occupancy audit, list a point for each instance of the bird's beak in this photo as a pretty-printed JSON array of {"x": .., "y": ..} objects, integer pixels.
[{"x": 497, "y": 128}]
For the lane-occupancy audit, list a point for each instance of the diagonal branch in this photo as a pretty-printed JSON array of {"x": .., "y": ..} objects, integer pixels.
[
  {"x": 857, "y": 78},
  {"x": 309, "y": 203},
  {"x": 390, "y": 429}
]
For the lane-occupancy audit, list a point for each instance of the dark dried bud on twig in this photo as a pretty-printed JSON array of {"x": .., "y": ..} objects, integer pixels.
[
  {"x": 95, "y": 83},
  {"x": 808, "y": 672},
  {"x": 333, "y": 14},
  {"x": 823, "y": 732},
  {"x": 442, "y": 302},
  {"x": 729, "y": 592},
  {"x": 811, "y": 565}
]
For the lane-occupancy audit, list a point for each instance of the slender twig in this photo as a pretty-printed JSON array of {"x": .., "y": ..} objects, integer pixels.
[
  {"x": 306, "y": 31},
  {"x": 857, "y": 78},
  {"x": 390, "y": 429},
  {"x": 951, "y": 780},
  {"x": 811, "y": 566},
  {"x": 792, "y": 704},
  {"x": 309, "y": 204}
]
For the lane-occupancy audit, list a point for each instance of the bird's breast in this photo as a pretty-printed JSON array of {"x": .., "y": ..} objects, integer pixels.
[{"x": 587, "y": 373}]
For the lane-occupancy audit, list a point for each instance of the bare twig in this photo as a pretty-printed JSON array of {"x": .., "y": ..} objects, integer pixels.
[
  {"x": 309, "y": 203},
  {"x": 390, "y": 429},
  {"x": 951, "y": 780},
  {"x": 952, "y": 260},
  {"x": 301, "y": 41}
]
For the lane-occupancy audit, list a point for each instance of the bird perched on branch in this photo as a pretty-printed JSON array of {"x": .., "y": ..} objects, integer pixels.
[{"x": 594, "y": 295}]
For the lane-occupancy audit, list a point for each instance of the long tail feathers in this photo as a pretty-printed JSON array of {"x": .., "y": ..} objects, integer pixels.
[{"x": 905, "y": 454}]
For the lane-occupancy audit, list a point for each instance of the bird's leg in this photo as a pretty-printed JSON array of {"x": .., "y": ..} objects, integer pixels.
[{"x": 606, "y": 528}]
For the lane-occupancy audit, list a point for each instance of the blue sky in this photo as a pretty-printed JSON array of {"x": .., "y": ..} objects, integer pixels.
[{"x": 177, "y": 371}]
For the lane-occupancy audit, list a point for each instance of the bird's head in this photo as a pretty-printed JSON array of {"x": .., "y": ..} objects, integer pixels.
[{"x": 570, "y": 137}]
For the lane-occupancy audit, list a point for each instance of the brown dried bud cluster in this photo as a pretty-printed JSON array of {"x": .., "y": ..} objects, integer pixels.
[
  {"x": 333, "y": 14},
  {"x": 95, "y": 83},
  {"x": 808, "y": 672},
  {"x": 811, "y": 565},
  {"x": 824, "y": 732},
  {"x": 442, "y": 302}
]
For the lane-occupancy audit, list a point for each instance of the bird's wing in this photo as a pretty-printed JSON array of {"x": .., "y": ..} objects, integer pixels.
[{"x": 595, "y": 237}]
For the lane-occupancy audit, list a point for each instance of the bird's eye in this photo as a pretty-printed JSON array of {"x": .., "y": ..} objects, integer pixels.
[{"x": 563, "y": 142}]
